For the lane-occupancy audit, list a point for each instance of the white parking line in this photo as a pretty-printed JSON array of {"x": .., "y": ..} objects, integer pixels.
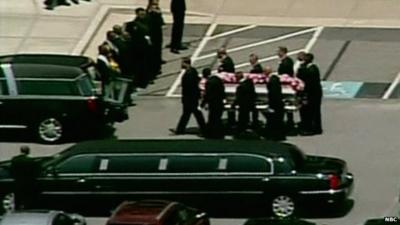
[
  {"x": 310, "y": 44},
  {"x": 264, "y": 42},
  {"x": 392, "y": 87},
  {"x": 233, "y": 32},
  {"x": 202, "y": 44}
]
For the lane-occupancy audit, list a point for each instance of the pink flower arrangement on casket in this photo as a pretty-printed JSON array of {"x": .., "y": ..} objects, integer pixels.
[{"x": 294, "y": 82}]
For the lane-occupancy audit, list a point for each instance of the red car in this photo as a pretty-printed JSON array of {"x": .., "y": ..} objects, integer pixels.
[{"x": 157, "y": 212}]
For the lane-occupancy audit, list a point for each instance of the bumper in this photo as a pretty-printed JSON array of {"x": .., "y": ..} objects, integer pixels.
[{"x": 328, "y": 196}]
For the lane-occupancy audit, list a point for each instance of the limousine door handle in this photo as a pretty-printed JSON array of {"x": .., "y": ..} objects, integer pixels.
[{"x": 81, "y": 180}]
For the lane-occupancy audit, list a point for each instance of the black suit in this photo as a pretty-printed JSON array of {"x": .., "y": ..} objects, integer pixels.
[
  {"x": 227, "y": 65},
  {"x": 245, "y": 99},
  {"x": 141, "y": 48},
  {"x": 257, "y": 68},
  {"x": 190, "y": 100},
  {"x": 214, "y": 97},
  {"x": 301, "y": 74},
  {"x": 156, "y": 22},
  {"x": 313, "y": 91},
  {"x": 25, "y": 170},
  {"x": 275, "y": 124},
  {"x": 178, "y": 8},
  {"x": 286, "y": 66},
  {"x": 104, "y": 72}
]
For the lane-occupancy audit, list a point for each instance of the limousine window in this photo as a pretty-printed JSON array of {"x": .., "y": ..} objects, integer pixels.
[
  {"x": 201, "y": 164},
  {"x": 77, "y": 164},
  {"x": 133, "y": 164},
  {"x": 298, "y": 157},
  {"x": 45, "y": 87},
  {"x": 247, "y": 164}
]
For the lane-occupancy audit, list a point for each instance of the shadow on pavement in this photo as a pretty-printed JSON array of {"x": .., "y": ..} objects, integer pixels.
[{"x": 18, "y": 136}]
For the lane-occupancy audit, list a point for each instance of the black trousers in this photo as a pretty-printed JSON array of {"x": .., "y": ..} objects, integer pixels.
[
  {"x": 244, "y": 118},
  {"x": 177, "y": 29},
  {"x": 315, "y": 114},
  {"x": 156, "y": 56},
  {"x": 188, "y": 110},
  {"x": 26, "y": 194},
  {"x": 275, "y": 128},
  {"x": 215, "y": 128},
  {"x": 312, "y": 115}
]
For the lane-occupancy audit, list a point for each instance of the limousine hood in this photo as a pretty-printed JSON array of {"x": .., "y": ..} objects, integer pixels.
[{"x": 325, "y": 165}]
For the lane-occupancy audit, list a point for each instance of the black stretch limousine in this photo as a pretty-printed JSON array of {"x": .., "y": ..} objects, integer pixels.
[{"x": 104, "y": 173}]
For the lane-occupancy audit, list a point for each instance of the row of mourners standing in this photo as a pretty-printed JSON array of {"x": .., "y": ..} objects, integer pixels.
[
  {"x": 214, "y": 97},
  {"x": 134, "y": 50}
]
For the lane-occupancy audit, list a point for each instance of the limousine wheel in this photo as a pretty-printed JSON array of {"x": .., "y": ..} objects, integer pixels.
[
  {"x": 50, "y": 130},
  {"x": 8, "y": 202},
  {"x": 283, "y": 206}
]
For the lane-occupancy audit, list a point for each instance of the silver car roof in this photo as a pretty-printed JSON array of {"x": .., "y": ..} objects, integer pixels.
[{"x": 29, "y": 218}]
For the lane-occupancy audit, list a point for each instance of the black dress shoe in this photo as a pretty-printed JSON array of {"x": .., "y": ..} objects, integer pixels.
[
  {"x": 183, "y": 47},
  {"x": 173, "y": 131},
  {"x": 175, "y": 51}
]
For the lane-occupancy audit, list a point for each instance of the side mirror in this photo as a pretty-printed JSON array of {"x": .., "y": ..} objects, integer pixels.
[
  {"x": 51, "y": 171},
  {"x": 78, "y": 219},
  {"x": 201, "y": 215}
]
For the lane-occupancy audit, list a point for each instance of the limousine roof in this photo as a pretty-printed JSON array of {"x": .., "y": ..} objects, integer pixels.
[
  {"x": 260, "y": 147},
  {"x": 53, "y": 59}
]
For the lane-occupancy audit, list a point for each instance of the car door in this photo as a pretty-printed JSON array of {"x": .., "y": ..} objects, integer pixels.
[
  {"x": 68, "y": 184},
  {"x": 122, "y": 177},
  {"x": 9, "y": 114},
  {"x": 240, "y": 178}
]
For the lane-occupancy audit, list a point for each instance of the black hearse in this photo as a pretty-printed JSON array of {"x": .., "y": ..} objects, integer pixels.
[
  {"x": 53, "y": 96},
  {"x": 105, "y": 173}
]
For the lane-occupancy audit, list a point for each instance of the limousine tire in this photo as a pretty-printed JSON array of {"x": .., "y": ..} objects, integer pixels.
[
  {"x": 283, "y": 206},
  {"x": 8, "y": 203},
  {"x": 50, "y": 130}
]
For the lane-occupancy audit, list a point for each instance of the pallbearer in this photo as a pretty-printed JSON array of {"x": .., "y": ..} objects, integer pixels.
[
  {"x": 275, "y": 128},
  {"x": 214, "y": 98}
]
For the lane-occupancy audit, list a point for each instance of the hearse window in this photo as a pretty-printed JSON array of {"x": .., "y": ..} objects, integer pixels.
[
  {"x": 86, "y": 86},
  {"x": 133, "y": 164},
  {"x": 77, "y": 164},
  {"x": 41, "y": 87},
  {"x": 247, "y": 164},
  {"x": 3, "y": 86},
  {"x": 198, "y": 164}
]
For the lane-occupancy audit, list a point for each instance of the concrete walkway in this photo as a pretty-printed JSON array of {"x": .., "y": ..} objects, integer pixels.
[{"x": 26, "y": 27}]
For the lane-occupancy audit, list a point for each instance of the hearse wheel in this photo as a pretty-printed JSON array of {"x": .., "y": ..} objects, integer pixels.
[
  {"x": 8, "y": 202},
  {"x": 283, "y": 206},
  {"x": 50, "y": 130}
]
